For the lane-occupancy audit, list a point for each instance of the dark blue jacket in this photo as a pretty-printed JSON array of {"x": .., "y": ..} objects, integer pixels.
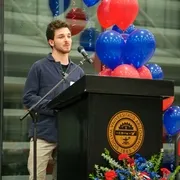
[{"x": 43, "y": 76}]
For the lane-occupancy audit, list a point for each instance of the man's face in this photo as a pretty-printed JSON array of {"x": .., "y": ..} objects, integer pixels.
[{"x": 62, "y": 40}]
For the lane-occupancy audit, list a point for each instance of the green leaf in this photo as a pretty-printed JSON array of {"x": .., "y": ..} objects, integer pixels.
[
  {"x": 91, "y": 176},
  {"x": 173, "y": 175},
  {"x": 106, "y": 152}
]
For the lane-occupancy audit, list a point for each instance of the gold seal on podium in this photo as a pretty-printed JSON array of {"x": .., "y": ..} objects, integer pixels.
[{"x": 125, "y": 132}]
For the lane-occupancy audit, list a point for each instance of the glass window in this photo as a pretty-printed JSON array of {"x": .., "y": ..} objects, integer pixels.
[
  {"x": 25, "y": 42},
  {"x": 1, "y": 76}
]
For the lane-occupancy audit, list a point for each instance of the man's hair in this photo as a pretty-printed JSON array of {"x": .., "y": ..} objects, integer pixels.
[{"x": 54, "y": 25}]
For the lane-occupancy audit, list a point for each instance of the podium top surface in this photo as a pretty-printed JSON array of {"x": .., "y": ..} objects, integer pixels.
[{"x": 116, "y": 85}]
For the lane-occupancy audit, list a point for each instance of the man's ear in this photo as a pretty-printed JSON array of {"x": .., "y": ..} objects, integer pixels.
[{"x": 51, "y": 42}]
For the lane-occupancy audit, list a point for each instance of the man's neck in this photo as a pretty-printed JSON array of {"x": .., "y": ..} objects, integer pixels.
[{"x": 62, "y": 58}]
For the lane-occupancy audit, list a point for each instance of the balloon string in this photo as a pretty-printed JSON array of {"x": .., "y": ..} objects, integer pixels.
[
  {"x": 73, "y": 4},
  {"x": 57, "y": 9},
  {"x": 87, "y": 11}
]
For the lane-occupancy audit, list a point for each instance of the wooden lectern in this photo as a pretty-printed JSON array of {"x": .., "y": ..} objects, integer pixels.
[{"x": 121, "y": 114}]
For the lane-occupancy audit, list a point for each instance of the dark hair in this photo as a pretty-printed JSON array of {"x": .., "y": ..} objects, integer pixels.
[{"x": 54, "y": 25}]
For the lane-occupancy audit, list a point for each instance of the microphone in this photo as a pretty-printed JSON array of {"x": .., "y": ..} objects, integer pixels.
[{"x": 85, "y": 54}]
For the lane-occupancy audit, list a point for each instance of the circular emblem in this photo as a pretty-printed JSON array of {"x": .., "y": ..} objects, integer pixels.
[{"x": 125, "y": 132}]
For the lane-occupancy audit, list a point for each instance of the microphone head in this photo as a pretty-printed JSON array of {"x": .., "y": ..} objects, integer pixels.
[
  {"x": 84, "y": 53},
  {"x": 80, "y": 48}
]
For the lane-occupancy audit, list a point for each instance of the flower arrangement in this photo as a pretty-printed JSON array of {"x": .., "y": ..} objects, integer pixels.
[{"x": 133, "y": 168}]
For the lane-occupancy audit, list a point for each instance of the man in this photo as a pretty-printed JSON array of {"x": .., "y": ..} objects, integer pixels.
[{"x": 43, "y": 76}]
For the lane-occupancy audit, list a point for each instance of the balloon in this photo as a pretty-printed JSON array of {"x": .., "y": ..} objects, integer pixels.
[
  {"x": 156, "y": 71},
  {"x": 125, "y": 34},
  {"x": 103, "y": 14},
  {"x": 109, "y": 48},
  {"x": 88, "y": 38},
  {"x": 90, "y": 3},
  {"x": 125, "y": 70},
  {"x": 56, "y": 6},
  {"x": 129, "y": 30},
  {"x": 105, "y": 72},
  {"x": 140, "y": 47},
  {"x": 77, "y": 20},
  {"x": 124, "y": 12},
  {"x": 144, "y": 73},
  {"x": 171, "y": 120},
  {"x": 167, "y": 102}
]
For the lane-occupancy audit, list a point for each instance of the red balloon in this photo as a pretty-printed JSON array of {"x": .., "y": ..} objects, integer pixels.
[
  {"x": 105, "y": 72},
  {"x": 104, "y": 14},
  {"x": 167, "y": 102},
  {"x": 77, "y": 20},
  {"x": 124, "y": 12},
  {"x": 144, "y": 73},
  {"x": 125, "y": 70}
]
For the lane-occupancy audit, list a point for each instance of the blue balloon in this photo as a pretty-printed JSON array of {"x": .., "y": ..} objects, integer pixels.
[
  {"x": 129, "y": 30},
  {"x": 125, "y": 34},
  {"x": 109, "y": 48},
  {"x": 55, "y": 6},
  {"x": 140, "y": 47},
  {"x": 171, "y": 120},
  {"x": 88, "y": 39},
  {"x": 156, "y": 71},
  {"x": 90, "y": 3}
]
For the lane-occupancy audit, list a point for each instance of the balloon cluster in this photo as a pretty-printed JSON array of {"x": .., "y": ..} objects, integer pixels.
[{"x": 125, "y": 50}]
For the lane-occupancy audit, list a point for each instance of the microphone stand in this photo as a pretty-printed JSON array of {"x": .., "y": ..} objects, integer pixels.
[{"x": 34, "y": 115}]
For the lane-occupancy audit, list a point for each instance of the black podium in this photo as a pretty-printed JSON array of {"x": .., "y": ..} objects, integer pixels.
[{"x": 120, "y": 114}]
